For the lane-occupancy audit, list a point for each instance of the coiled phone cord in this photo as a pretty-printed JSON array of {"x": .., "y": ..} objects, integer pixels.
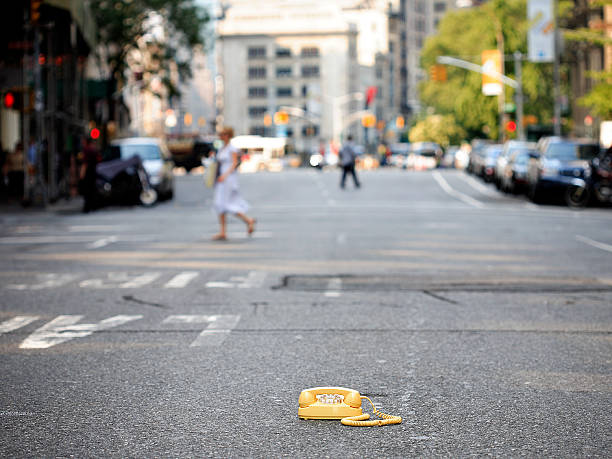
[{"x": 360, "y": 421}]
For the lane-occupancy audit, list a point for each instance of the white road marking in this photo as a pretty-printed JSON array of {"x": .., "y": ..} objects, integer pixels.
[
  {"x": 65, "y": 328},
  {"x": 45, "y": 281},
  {"x": 121, "y": 280},
  {"x": 102, "y": 242},
  {"x": 591, "y": 242},
  {"x": 478, "y": 186},
  {"x": 254, "y": 279},
  {"x": 219, "y": 327},
  {"x": 214, "y": 284},
  {"x": 454, "y": 193},
  {"x": 181, "y": 279},
  {"x": 15, "y": 323},
  {"x": 334, "y": 286}
]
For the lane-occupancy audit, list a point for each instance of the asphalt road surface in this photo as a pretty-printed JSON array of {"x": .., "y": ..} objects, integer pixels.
[{"x": 483, "y": 320}]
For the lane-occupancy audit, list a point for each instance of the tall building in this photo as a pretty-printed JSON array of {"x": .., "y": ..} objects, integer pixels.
[{"x": 314, "y": 58}]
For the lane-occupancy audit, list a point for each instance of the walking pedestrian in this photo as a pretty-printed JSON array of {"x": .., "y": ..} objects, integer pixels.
[
  {"x": 227, "y": 197},
  {"x": 347, "y": 161}
]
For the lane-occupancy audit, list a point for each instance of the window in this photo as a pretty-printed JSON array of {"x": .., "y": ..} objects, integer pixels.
[
  {"x": 439, "y": 7},
  {"x": 283, "y": 52},
  {"x": 310, "y": 131},
  {"x": 283, "y": 72},
  {"x": 258, "y": 91},
  {"x": 310, "y": 52},
  {"x": 257, "y": 52},
  {"x": 285, "y": 91},
  {"x": 257, "y": 73},
  {"x": 309, "y": 71},
  {"x": 255, "y": 112},
  {"x": 257, "y": 130}
]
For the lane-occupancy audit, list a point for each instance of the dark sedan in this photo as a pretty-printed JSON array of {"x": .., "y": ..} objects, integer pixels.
[{"x": 561, "y": 163}]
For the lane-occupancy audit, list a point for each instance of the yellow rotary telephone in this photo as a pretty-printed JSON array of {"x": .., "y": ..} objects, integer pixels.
[{"x": 340, "y": 403}]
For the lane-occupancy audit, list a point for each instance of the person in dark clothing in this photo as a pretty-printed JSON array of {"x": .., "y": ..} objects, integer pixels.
[
  {"x": 87, "y": 175},
  {"x": 347, "y": 161}
]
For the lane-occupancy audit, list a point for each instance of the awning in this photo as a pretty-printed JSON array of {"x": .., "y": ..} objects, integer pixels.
[{"x": 82, "y": 15}]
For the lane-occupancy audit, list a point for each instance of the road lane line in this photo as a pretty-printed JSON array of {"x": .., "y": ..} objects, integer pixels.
[
  {"x": 182, "y": 279},
  {"x": 15, "y": 323},
  {"x": 591, "y": 242},
  {"x": 477, "y": 185},
  {"x": 102, "y": 242},
  {"x": 454, "y": 193},
  {"x": 64, "y": 328}
]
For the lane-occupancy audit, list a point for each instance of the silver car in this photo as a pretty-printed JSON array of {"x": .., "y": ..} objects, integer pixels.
[{"x": 155, "y": 157}]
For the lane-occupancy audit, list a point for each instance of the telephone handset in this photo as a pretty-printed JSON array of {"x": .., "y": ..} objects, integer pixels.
[{"x": 340, "y": 403}]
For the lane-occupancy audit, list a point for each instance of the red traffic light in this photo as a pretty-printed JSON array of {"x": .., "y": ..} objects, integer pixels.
[
  {"x": 9, "y": 100},
  {"x": 510, "y": 126},
  {"x": 94, "y": 133}
]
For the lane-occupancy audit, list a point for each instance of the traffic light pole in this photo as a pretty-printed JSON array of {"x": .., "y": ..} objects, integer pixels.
[{"x": 515, "y": 84}]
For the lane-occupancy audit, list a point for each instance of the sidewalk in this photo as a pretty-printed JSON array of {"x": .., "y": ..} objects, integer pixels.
[{"x": 73, "y": 205}]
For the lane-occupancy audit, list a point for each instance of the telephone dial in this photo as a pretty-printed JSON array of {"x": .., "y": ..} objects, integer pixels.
[{"x": 340, "y": 403}]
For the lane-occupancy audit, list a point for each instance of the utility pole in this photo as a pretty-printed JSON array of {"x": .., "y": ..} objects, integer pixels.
[
  {"x": 557, "y": 72},
  {"x": 518, "y": 69}
]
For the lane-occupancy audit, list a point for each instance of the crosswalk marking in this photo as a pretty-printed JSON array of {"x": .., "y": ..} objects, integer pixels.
[
  {"x": 219, "y": 327},
  {"x": 254, "y": 279},
  {"x": 45, "y": 281},
  {"x": 121, "y": 280},
  {"x": 181, "y": 279},
  {"x": 66, "y": 327},
  {"x": 15, "y": 323},
  {"x": 124, "y": 280}
]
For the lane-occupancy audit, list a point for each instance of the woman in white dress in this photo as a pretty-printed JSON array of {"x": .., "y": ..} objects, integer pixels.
[{"x": 227, "y": 197}]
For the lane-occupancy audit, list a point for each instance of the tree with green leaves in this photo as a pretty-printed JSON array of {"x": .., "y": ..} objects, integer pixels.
[
  {"x": 464, "y": 34},
  {"x": 575, "y": 17},
  {"x": 442, "y": 129},
  {"x": 152, "y": 38}
]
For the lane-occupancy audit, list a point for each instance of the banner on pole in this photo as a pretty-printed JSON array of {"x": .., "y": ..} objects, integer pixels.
[
  {"x": 492, "y": 68},
  {"x": 541, "y": 36}
]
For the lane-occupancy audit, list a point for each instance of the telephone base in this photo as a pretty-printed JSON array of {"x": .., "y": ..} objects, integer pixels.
[{"x": 327, "y": 412}]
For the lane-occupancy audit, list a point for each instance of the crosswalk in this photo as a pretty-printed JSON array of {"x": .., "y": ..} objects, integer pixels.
[
  {"x": 63, "y": 328},
  {"x": 127, "y": 280}
]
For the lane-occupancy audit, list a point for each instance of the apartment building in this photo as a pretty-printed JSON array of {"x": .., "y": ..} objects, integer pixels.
[{"x": 296, "y": 56}]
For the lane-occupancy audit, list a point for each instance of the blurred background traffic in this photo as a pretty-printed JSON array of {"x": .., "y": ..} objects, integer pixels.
[{"x": 515, "y": 92}]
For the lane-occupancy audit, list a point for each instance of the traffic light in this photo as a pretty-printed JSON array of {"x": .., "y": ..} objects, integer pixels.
[
  {"x": 399, "y": 122},
  {"x": 35, "y": 11},
  {"x": 14, "y": 98},
  {"x": 94, "y": 133},
  {"x": 281, "y": 117},
  {"x": 368, "y": 120},
  {"x": 511, "y": 126},
  {"x": 437, "y": 72},
  {"x": 8, "y": 100}
]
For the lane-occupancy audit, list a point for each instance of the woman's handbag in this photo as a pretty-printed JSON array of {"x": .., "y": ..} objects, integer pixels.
[{"x": 211, "y": 174}]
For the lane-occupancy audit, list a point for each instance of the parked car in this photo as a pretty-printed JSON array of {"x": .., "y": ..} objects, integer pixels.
[
  {"x": 475, "y": 163},
  {"x": 156, "y": 160},
  {"x": 514, "y": 176},
  {"x": 560, "y": 163},
  {"x": 510, "y": 147},
  {"x": 489, "y": 161}
]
